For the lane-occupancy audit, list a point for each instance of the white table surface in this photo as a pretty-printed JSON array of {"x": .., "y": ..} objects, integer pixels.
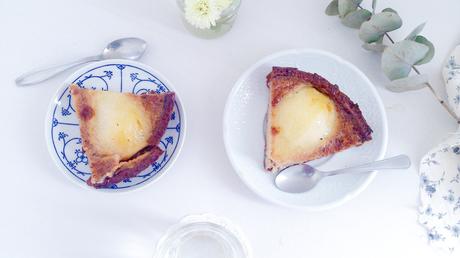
[{"x": 43, "y": 214}]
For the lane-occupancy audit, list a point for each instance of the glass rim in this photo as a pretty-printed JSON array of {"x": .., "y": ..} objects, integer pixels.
[{"x": 226, "y": 230}]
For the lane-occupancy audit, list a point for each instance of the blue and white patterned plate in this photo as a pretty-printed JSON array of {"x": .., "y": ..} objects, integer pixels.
[{"x": 62, "y": 129}]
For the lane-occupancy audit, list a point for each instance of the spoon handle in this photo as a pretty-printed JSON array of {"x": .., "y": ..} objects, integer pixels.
[
  {"x": 396, "y": 162},
  {"x": 41, "y": 75}
]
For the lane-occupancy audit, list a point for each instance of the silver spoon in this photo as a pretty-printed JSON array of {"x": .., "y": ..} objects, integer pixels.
[
  {"x": 299, "y": 181},
  {"x": 124, "y": 48}
]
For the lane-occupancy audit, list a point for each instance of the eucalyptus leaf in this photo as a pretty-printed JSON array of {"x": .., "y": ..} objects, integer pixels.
[
  {"x": 347, "y": 6},
  {"x": 397, "y": 59},
  {"x": 414, "y": 82},
  {"x": 430, "y": 54},
  {"x": 333, "y": 8},
  {"x": 376, "y": 47},
  {"x": 390, "y": 10},
  {"x": 372, "y": 30},
  {"x": 415, "y": 32},
  {"x": 374, "y": 5},
  {"x": 356, "y": 18}
]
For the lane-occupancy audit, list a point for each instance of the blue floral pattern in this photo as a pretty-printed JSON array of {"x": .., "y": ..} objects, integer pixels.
[
  {"x": 451, "y": 74},
  {"x": 65, "y": 134},
  {"x": 439, "y": 211},
  {"x": 453, "y": 67}
]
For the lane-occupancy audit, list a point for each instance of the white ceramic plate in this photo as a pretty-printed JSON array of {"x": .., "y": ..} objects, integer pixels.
[
  {"x": 63, "y": 133},
  {"x": 244, "y": 122}
]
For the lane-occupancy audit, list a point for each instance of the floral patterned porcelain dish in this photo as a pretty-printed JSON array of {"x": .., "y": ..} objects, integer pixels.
[
  {"x": 439, "y": 210},
  {"x": 62, "y": 128}
]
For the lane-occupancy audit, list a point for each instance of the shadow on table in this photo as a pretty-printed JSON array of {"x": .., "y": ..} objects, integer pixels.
[{"x": 132, "y": 232}]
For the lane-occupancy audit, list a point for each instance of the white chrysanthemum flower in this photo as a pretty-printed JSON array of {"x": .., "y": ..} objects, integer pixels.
[{"x": 202, "y": 13}]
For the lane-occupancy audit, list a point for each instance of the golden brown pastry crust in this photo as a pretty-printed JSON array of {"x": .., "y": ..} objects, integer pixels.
[
  {"x": 352, "y": 129},
  {"x": 130, "y": 168},
  {"x": 111, "y": 169}
]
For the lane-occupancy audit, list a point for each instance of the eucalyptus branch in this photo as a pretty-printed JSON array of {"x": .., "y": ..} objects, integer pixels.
[
  {"x": 429, "y": 86},
  {"x": 398, "y": 58}
]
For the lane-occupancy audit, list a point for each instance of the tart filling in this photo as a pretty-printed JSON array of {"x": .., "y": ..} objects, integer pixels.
[
  {"x": 302, "y": 121},
  {"x": 119, "y": 129}
]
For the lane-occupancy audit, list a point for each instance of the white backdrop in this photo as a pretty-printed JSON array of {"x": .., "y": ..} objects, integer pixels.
[{"x": 43, "y": 214}]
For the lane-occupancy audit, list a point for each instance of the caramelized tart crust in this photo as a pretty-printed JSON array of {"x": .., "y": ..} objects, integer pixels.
[{"x": 311, "y": 111}]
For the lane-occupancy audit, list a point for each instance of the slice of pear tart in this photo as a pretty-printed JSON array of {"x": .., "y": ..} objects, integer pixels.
[
  {"x": 120, "y": 131},
  {"x": 308, "y": 118}
]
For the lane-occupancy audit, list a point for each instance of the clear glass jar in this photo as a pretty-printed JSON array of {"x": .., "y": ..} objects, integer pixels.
[
  {"x": 223, "y": 24},
  {"x": 203, "y": 236}
]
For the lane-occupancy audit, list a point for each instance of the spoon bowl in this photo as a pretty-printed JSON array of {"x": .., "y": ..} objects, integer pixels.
[
  {"x": 125, "y": 48},
  {"x": 298, "y": 181}
]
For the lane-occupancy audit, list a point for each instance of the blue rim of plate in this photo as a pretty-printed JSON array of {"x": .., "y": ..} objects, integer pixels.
[{"x": 143, "y": 79}]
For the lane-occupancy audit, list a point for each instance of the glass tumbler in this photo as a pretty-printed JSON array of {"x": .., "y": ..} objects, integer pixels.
[{"x": 203, "y": 236}]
